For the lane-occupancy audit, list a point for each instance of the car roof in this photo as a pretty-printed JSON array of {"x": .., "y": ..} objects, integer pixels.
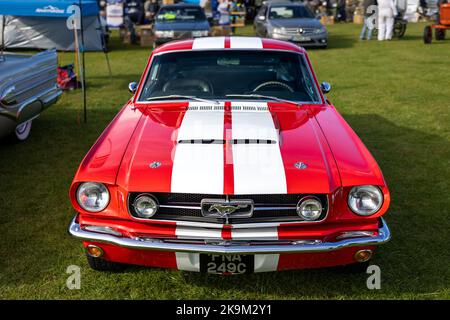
[{"x": 218, "y": 43}]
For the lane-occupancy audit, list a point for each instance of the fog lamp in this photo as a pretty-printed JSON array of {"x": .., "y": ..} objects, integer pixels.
[
  {"x": 309, "y": 208},
  {"x": 145, "y": 206}
]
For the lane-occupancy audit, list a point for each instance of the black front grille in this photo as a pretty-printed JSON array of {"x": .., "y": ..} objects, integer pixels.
[{"x": 267, "y": 207}]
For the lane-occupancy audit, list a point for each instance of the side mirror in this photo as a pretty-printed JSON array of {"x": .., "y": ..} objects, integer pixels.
[
  {"x": 325, "y": 87},
  {"x": 261, "y": 18},
  {"x": 132, "y": 87}
]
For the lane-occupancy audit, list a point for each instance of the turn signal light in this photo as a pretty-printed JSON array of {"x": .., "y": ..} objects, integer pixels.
[
  {"x": 363, "y": 255},
  {"x": 94, "y": 251}
]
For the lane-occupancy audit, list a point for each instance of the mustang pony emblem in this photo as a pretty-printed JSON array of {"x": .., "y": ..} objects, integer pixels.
[{"x": 225, "y": 209}]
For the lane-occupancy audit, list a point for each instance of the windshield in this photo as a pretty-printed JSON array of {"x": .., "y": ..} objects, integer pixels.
[
  {"x": 180, "y": 14},
  {"x": 289, "y": 12},
  {"x": 220, "y": 74}
]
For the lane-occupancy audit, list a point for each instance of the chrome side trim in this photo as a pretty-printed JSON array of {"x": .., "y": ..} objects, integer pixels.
[{"x": 230, "y": 247}]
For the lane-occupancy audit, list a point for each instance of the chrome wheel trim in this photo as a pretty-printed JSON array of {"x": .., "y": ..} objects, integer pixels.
[{"x": 23, "y": 130}]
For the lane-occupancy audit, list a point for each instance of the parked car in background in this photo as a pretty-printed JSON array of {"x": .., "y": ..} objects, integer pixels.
[
  {"x": 229, "y": 159},
  {"x": 290, "y": 21},
  {"x": 28, "y": 85},
  {"x": 180, "y": 21}
]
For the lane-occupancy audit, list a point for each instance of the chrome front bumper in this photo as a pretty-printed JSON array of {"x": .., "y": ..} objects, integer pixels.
[{"x": 230, "y": 247}]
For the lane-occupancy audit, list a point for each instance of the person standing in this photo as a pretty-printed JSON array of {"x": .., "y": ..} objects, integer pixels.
[
  {"x": 386, "y": 13},
  {"x": 367, "y": 25},
  {"x": 224, "y": 11},
  {"x": 151, "y": 7}
]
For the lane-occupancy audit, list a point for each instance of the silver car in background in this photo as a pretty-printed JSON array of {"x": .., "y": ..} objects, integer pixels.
[
  {"x": 290, "y": 21},
  {"x": 28, "y": 85}
]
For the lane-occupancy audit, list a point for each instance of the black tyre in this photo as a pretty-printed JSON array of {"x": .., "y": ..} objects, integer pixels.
[
  {"x": 427, "y": 35},
  {"x": 359, "y": 267},
  {"x": 399, "y": 29},
  {"x": 100, "y": 264},
  {"x": 439, "y": 34}
]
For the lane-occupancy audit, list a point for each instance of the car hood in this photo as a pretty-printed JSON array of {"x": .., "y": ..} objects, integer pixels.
[
  {"x": 272, "y": 149},
  {"x": 197, "y": 25},
  {"x": 295, "y": 23},
  {"x": 269, "y": 148}
]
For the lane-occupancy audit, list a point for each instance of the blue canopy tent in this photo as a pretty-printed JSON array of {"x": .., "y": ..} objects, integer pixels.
[{"x": 42, "y": 24}]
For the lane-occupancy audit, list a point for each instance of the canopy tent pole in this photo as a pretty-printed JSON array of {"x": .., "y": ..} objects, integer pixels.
[
  {"x": 105, "y": 51},
  {"x": 83, "y": 74}
]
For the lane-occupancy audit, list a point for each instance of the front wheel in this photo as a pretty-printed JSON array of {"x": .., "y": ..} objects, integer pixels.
[
  {"x": 427, "y": 35},
  {"x": 100, "y": 264},
  {"x": 22, "y": 131}
]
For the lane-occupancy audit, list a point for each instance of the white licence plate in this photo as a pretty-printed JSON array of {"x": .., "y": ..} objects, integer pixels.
[{"x": 301, "y": 38}]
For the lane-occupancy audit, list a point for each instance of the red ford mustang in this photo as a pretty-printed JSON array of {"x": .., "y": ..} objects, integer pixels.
[{"x": 229, "y": 159}]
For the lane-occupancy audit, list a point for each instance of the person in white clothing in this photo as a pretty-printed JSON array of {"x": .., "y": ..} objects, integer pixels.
[{"x": 386, "y": 13}]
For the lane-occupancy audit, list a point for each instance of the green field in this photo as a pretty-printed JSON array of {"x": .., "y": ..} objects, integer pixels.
[{"x": 395, "y": 95}]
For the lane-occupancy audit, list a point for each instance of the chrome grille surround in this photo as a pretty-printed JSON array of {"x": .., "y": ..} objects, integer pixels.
[{"x": 272, "y": 208}]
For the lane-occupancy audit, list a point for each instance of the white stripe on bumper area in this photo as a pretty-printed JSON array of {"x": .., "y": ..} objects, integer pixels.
[
  {"x": 258, "y": 168},
  {"x": 188, "y": 261},
  {"x": 198, "y": 233},
  {"x": 198, "y": 168},
  {"x": 255, "y": 234},
  {"x": 245, "y": 43},
  {"x": 266, "y": 262},
  {"x": 209, "y": 43}
]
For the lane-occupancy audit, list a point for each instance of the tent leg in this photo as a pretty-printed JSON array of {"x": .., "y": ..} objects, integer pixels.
[
  {"x": 83, "y": 73},
  {"x": 109, "y": 65}
]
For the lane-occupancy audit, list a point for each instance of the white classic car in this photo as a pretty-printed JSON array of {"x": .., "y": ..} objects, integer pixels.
[{"x": 27, "y": 86}]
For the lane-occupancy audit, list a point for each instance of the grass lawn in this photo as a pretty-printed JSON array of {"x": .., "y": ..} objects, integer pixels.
[{"x": 395, "y": 95}]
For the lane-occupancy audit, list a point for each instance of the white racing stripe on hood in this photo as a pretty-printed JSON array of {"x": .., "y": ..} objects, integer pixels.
[
  {"x": 198, "y": 168},
  {"x": 258, "y": 168},
  {"x": 209, "y": 43}
]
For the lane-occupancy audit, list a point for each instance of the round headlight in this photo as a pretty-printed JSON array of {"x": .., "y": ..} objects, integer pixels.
[
  {"x": 145, "y": 206},
  {"x": 93, "y": 196},
  {"x": 365, "y": 200},
  {"x": 309, "y": 209}
]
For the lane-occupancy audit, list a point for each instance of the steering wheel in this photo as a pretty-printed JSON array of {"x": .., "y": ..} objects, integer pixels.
[
  {"x": 273, "y": 83},
  {"x": 188, "y": 84}
]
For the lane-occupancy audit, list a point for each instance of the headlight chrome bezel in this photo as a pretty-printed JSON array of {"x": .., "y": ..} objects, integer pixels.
[
  {"x": 103, "y": 190},
  {"x": 368, "y": 189}
]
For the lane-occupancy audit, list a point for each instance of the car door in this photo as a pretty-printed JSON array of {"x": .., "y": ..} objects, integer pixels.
[{"x": 261, "y": 22}]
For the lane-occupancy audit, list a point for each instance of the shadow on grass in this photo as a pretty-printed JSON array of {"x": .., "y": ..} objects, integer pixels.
[
  {"x": 340, "y": 41},
  {"x": 414, "y": 164}
]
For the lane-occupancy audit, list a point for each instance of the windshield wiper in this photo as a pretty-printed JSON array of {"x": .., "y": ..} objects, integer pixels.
[
  {"x": 178, "y": 96},
  {"x": 260, "y": 96}
]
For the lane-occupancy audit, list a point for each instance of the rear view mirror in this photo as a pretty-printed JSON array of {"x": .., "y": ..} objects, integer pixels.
[
  {"x": 325, "y": 87},
  {"x": 261, "y": 18},
  {"x": 132, "y": 87}
]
